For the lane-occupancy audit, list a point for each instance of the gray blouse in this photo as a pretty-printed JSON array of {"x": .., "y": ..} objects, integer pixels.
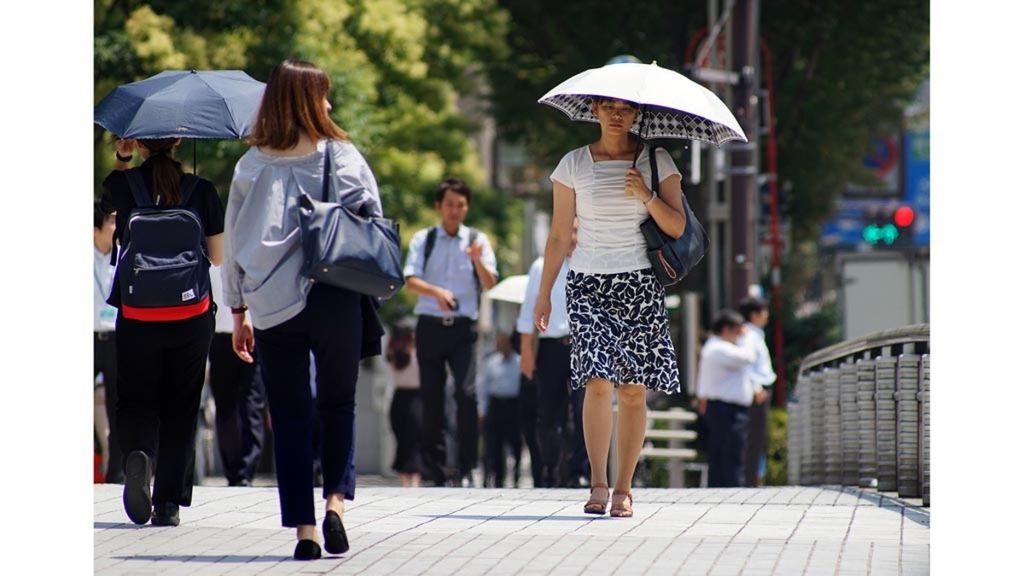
[{"x": 263, "y": 251}]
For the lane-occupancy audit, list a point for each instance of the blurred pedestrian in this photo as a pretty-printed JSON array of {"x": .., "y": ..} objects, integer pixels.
[
  {"x": 104, "y": 347},
  {"x": 498, "y": 405},
  {"x": 549, "y": 368},
  {"x": 617, "y": 316},
  {"x": 447, "y": 267},
  {"x": 239, "y": 399},
  {"x": 755, "y": 317},
  {"x": 724, "y": 396},
  {"x": 406, "y": 412},
  {"x": 292, "y": 141},
  {"x": 161, "y": 351}
]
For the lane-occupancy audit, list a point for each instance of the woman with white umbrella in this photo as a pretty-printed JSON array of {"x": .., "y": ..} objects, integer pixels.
[{"x": 617, "y": 317}]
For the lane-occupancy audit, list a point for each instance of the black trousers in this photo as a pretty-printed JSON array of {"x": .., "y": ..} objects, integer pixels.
[
  {"x": 238, "y": 393},
  {"x": 441, "y": 348},
  {"x": 161, "y": 369},
  {"x": 329, "y": 327},
  {"x": 528, "y": 426},
  {"x": 553, "y": 403},
  {"x": 104, "y": 360},
  {"x": 501, "y": 430},
  {"x": 757, "y": 432},
  {"x": 406, "y": 415},
  {"x": 727, "y": 438}
]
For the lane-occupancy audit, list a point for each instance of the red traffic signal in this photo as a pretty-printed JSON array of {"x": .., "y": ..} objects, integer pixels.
[{"x": 904, "y": 216}]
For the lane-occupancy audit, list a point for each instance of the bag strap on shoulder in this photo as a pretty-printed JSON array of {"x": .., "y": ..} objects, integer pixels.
[
  {"x": 654, "y": 168},
  {"x": 328, "y": 151},
  {"x": 138, "y": 187}
]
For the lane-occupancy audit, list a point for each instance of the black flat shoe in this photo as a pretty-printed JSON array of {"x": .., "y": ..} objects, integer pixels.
[
  {"x": 136, "y": 496},
  {"x": 306, "y": 550},
  {"x": 166, "y": 514},
  {"x": 335, "y": 540}
]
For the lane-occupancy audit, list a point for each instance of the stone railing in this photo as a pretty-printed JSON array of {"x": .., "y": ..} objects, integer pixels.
[{"x": 861, "y": 414}]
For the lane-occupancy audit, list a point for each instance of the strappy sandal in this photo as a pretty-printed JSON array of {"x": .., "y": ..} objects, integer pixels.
[
  {"x": 622, "y": 509},
  {"x": 594, "y": 506}
]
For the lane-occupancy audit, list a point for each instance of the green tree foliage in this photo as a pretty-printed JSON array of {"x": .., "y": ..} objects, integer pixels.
[{"x": 398, "y": 69}]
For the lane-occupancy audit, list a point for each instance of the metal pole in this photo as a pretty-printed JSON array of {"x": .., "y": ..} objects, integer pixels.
[{"x": 744, "y": 156}]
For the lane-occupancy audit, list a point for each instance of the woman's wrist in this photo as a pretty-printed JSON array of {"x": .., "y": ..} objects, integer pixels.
[{"x": 239, "y": 309}]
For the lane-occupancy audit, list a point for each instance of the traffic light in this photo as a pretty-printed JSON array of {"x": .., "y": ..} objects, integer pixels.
[{"x": 889, "y": 228}]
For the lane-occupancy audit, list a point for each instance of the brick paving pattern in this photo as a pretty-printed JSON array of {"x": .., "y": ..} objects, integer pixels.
[{"x": 444, "y": 531}]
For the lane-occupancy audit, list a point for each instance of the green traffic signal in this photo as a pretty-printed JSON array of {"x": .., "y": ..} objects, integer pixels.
[{"x": 874, "y": 234}]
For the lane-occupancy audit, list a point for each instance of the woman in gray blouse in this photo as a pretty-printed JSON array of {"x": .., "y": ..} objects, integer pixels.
[{"x": 290, "y": 315}]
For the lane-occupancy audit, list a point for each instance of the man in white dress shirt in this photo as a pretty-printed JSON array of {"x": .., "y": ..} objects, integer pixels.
[
  {"x": 447, "y": 267},
  {"x": 725, "y": 393},
  {"x": 755, "y": 315}
]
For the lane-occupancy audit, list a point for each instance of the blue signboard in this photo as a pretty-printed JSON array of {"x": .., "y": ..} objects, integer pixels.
[{"x": 917, "y": 182}]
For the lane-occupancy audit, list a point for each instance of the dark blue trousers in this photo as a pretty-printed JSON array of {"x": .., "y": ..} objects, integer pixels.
[
  {"x": 726, "y": 445},
  {"x": 329, "y": 326}
]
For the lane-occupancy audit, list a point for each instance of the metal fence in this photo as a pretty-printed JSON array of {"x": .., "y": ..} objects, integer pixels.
[{"x": 861, "y": 414}]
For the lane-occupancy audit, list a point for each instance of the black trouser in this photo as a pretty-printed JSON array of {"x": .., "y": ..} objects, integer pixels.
[
  {"x": 757, "y": 431},
  {"x": 406, "y": 415},
  {"x": 161, "y": 368},
  {"x": 528, "y": 425},
  {"x": 440, "y": 348},
  {"x": 553, "y": 395},
  {"x": 104, "y": 360},
  {"x": 727, "y": 436},
  {"x": 502, "y": 429},
  {"x": 330, "y": 327},
  {"x": 238, "y": 393}
]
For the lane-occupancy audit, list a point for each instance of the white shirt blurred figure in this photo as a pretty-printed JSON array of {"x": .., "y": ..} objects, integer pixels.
[
  {"x": 104, "y": 348},
  {"x": 497, "y": 392},
  {"x": 405, "y": 411},
  {"x": 725, "y": 393},
  {"x": 755, "y": 314}
]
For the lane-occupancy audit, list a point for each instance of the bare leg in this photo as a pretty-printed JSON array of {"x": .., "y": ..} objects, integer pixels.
[
  {"x": 414, "y": 480},
  {"x": 632, "y": 424},
  {"x": 336, "y": 502},
  {"x": 597, "y": 428},
  {"x": 99, "y": 415},
  {"x": 306, "y": 532}
]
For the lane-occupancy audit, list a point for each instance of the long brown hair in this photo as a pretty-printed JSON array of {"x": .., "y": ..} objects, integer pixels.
[
  {"x": 166, "y": 173},
  {"x": 293, "y": 102}
]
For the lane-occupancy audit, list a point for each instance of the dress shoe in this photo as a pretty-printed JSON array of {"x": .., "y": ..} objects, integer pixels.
[
  {"x": 136, "y": 497},
  {"x": 166, "y": 514},
  {"x": 306, "y": 550},
  {"x": 335, "y": 539}
]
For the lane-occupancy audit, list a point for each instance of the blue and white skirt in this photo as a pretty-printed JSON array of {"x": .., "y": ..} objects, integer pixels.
[{"x": 620, "y": 330}]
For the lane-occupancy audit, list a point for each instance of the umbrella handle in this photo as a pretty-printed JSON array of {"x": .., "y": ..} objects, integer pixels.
[{"x": 640, "y": 133}]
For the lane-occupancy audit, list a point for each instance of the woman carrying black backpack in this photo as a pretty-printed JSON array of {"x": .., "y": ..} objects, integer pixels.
[{"x": 169, "y": 229}]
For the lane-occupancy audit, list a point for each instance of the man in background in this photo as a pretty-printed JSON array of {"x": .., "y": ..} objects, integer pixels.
[
  {"x": 724, "y": 394},
  {"x": 755, "y": 316}
]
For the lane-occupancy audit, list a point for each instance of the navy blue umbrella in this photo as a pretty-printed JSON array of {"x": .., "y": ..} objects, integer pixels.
[{"x": 183, "y": 104}]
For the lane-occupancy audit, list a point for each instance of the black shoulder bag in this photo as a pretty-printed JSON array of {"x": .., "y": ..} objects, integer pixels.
[
  {"x": 672, "y": 258},
  {"x": 347, "y": 250}
]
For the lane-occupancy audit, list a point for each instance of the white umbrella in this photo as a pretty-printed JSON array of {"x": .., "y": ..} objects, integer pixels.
[
  {"x": 511, "y": 289},
  {"x": 674, "y": 106}
]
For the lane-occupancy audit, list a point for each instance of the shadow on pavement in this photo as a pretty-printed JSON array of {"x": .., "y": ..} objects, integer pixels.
[
  {"x": 579, "y": 518},
  {"x": 211, "y": 559}
]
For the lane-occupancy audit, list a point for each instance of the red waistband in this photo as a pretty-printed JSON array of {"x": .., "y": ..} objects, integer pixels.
[{"x": 166, "y": 313}]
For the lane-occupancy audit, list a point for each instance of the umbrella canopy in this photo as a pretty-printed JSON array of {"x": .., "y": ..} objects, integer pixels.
[
  {"x": 674, "y": 106},
  {"x": 511, "y": 289},
  {"x": 183, "y": 104}
]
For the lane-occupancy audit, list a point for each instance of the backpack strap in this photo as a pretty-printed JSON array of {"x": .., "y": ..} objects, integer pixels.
[
  {"x": 328, "y": 150},
  {"x": 137, "y": 185},
  {"x": 473, "y": 235},
  {"x": 431, "y": 240}
]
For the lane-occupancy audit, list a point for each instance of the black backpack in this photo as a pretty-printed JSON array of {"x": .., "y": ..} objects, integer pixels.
[{"x": 163, "y": 270}]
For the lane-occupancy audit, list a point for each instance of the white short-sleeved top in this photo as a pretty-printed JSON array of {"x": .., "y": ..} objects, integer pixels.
[{"x": 608, "y": 238}]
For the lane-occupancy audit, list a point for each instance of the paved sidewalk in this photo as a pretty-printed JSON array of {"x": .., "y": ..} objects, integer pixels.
[{"x": 783, "y": 530}]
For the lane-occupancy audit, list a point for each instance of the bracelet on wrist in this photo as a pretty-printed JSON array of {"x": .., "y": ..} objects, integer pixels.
[
  {"x": 127, "y": 158},
  {"x": 649, "y": 200},
  {"x": 239, "y": 309}
]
